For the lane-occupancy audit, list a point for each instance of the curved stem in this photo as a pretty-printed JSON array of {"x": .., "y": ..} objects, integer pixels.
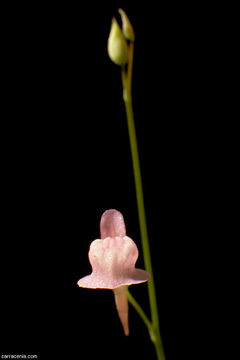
[{"x": 140, "y": 311}]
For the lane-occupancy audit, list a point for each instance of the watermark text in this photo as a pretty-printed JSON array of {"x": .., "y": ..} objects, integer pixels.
[{"x": 18, "y": 356}]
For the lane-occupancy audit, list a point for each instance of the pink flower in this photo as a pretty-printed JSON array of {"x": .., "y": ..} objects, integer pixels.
[{"x": 113, "y": 259}]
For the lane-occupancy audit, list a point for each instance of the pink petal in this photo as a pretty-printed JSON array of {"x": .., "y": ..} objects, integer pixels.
[
  {"x": 122, "y": 307},
  {"x": 113, "y": 264},
  {"x": 112, "y": 224}
]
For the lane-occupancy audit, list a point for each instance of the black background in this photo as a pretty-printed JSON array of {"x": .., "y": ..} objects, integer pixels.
[{"x": 66, "y": 159}]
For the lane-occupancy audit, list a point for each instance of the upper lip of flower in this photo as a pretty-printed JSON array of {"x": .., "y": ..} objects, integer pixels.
[{"x": 112, "y": 224}]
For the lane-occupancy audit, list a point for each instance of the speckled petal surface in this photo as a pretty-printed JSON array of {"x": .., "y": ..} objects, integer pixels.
[{"x": 113, "y": 264}]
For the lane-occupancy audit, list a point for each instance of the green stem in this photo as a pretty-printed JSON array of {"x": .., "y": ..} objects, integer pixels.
[
  {"x": 130, "y": 65},
  {"x": 141, "y": 213},
  {"x": 140, "y": 312}
]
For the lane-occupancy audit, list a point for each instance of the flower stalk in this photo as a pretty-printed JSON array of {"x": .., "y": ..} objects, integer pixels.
[
  {"x": 127, "y": 32},
  {"x": 127, "y": 97}
]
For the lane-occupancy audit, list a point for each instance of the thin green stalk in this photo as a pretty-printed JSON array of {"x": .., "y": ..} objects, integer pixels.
[
  {"x": 141, "y": 212},
  {"x": 140, "y": 312}
]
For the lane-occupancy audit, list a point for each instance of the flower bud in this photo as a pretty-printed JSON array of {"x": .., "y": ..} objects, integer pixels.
[
  {"x": 117, "y": 45},
  {"x": 127, "y": 28}
]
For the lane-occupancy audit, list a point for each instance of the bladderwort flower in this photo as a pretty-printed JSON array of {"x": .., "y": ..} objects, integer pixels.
[{"x": 113, "y": 259}]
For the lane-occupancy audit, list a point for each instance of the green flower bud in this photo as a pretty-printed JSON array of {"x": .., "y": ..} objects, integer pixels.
[
  {"x": 127, "y": 28},
  {"x": 117, "y": 45}
]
